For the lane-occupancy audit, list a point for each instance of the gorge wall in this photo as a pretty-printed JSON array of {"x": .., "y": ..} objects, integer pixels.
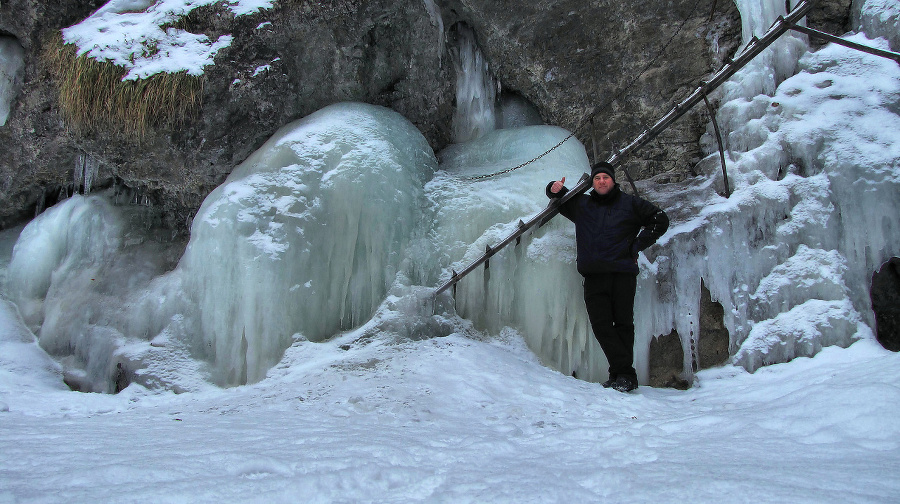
[
  {"x": 621, "y": 63},
  {"x": 566, "y": 57}
]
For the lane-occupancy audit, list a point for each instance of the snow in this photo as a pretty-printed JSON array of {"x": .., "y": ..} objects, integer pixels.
[
  {"x": 462, "y": 418},
  {"x": 295, "y": 351},
  {"x": 137, "y": 35}
]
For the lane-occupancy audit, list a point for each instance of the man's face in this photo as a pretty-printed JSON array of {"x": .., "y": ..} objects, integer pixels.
[{"x": 603, "y": 183}]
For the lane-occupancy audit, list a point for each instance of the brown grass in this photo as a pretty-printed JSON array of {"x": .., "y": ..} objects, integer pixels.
[{"x": 93, "y": 97}]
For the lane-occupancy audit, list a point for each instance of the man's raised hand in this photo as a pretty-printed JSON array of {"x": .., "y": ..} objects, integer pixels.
[{"x": 558, "y": 185}]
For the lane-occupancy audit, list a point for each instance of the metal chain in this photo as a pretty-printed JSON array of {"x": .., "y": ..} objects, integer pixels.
[
  {"x": 597, "y": 110},
  {"x": 526, "y": 163}
]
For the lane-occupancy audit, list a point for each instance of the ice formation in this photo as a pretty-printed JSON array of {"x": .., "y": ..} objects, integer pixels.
[
  {"x": 534, "y": 286},
  {"x": 307, "y": 234},
  {"x": 437, "y": 21},
  {"x": 12, "y": 61},
  {"x": 344, "y": 220},
  {"x": 813, "y": 157},
  {"x": 476, "y": 88},
  {"x": 813, "y": 161},
  {"x": 59, "y": 276},
  {"x": 303, "y": 240}
]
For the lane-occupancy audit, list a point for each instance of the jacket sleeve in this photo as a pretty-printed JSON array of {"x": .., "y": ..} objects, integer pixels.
[{"x": 654, "y": 224}]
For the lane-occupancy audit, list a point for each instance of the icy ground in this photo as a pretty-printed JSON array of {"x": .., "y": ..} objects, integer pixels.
[{"x": 459, "y": 419}]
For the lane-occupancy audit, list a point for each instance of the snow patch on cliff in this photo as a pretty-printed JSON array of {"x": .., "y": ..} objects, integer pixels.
[{"x": 140, "y": 35}]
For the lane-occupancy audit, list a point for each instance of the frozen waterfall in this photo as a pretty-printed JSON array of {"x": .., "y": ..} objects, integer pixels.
[
  {"x": 303, "y": 240},
  {"x": 308, "y": 235},
  {"x": 343, "y": 221}
]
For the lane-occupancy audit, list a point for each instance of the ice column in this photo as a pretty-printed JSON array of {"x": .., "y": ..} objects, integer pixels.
[
  {"x": 85, "y": 171},
  {"x": 476, "y": 89},
  {"x": 773, "y": 65},
  {"x": 532, "y": 287}
]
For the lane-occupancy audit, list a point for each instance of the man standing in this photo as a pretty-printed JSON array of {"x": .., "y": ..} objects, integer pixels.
[{"x": 611, "y": 227}]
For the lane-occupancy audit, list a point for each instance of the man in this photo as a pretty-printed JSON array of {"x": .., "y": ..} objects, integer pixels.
[{"x": 611, "y": 227}]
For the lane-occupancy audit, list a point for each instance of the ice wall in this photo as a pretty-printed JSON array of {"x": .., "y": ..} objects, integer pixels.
[
  {"x": 12, "y": 62},
  {"x": 814, "y": 165}
]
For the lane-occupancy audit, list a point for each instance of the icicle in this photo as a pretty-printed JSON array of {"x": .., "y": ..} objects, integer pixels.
[
  {"x": 476, "y": 89},
  {"x": 39, "y": 207},
  {"x": 434, "y": 12},
  {"x": 86, "y": 167}
]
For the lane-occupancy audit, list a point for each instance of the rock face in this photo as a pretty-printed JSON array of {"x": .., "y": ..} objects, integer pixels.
[
  {"x": 666, "y": 362},
  {"x": 624, "y": 62},
  {"x": 830, "y": 16},
  {"x": 285, "y": 63},
  {"x": 714, "y": 340}
]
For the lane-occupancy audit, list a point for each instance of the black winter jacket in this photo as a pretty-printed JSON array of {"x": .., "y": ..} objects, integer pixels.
[{"x": 611, "y": 229}]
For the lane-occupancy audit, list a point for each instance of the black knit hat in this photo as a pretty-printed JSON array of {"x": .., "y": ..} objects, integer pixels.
[{"x": 604, "y": 167}]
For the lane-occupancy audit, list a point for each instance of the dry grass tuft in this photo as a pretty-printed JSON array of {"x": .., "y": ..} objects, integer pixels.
[{"x": 94, "y": 99}]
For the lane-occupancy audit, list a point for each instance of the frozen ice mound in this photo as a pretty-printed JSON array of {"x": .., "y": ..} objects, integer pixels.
[{"x": 305, "y": 237}]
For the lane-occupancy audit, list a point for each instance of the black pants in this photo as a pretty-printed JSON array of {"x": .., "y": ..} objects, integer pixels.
[{"x": 609, "y": 298}]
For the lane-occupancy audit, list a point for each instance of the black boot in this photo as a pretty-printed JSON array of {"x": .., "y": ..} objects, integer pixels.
[{"x": 625, "y": 383}]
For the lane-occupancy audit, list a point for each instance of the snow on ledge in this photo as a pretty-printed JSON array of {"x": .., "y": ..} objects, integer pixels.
[{"x": 130, "y": 33}]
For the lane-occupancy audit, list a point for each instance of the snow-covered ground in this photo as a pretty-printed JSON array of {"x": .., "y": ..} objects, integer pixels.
[{"x": 463, "y": 419}]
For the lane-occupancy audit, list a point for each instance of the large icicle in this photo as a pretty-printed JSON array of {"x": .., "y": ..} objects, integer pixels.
[{"x": 476, "y": 89}]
